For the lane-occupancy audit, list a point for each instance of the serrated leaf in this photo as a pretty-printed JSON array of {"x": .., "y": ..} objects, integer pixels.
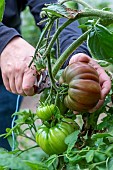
[
  {"x": 2, "y": 5},
  {"x": 89, "y": 156},
  {"x": 61, "y": 11},
  {"x": 100, "y": 43},
  {"x": 71, "y": 139}
]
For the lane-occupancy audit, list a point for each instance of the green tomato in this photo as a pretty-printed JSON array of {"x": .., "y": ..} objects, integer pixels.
[
  {"x": 45, "y": 112},
  {"x": 52, "y": 140}
]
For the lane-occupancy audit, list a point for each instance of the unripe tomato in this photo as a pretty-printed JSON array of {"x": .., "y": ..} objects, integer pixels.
[
  {"x": 45, "y": 112},
  {"x": 84, "y": 88},
  {"x": 51, "y": 140}
]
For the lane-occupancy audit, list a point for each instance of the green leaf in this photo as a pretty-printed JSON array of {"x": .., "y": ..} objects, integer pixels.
[
  {"x": 71, "y": 139},
  {"x": 101, "y": 135},
  {"x": 89, "y": 156},
  {"x": 110, "y": 164},
  {"x": 11, "y": 161},
  {"x": 36, "y": 166},
  {"x": 60, "y": 11},
  {"x": 51, "y": 160},
  {"x": 100, "y": 43},
  {"x": 2, "y": 6}
]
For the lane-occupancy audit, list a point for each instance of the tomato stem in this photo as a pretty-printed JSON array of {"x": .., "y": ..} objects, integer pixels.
[{"x": 40, "y": 40}]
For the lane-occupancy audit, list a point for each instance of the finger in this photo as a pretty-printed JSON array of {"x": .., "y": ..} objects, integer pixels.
[
  {"x": 99, "y": 104},
  {"x": 28, "y": 82},
  {"x": 18, "y": 83},
  {"x": 6, "y": 82},
  {"x": 105, "y": 82},
  {"x": 105, "y": 89},
  {"x": 80, "y": 57},
  {"x": 12, "y": 84}
]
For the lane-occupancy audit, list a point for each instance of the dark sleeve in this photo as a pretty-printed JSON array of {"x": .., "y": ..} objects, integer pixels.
[
  {"x": 6, "y": 34},
  {"x": 70, "y": 34},
  {"x": 35, "y": 8}
]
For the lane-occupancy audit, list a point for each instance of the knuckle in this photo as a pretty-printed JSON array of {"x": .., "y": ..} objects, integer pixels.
[
  {"x": 26, "y": 88},
  {"x": 17, "y": 69}
]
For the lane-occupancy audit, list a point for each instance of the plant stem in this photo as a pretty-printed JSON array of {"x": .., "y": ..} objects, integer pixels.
[
  {"x": 50, "y": 72},
  {"x": 40, "y": 40},
  {"x": 97, "y": 13},
  {"x": 56, "y": 35},
  {"x": 25, "y": 136},
  {"x": 22, "y": 151},
  {"x": 68, "y": 52},
  {"x": 57, "y": 41}
]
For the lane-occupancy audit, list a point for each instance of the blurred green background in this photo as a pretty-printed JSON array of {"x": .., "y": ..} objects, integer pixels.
[{"x": 30, "y": 31}]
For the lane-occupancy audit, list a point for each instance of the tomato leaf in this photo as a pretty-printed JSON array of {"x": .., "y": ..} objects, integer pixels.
[
  {"x": 60, "y": 11},
  {"x": 110, "y": 164},
  {"x": 11, "y": 161},
  {"x": 89, "y": 156},
  {"x": 100, "y": 43},
  {"x": 71, "y": 140},
  {"x": 2, "y": 5},
  {"x": 36, "y": 166},
  {"x": 51, "y": 160},
  {"x": 101, "y": 135}
]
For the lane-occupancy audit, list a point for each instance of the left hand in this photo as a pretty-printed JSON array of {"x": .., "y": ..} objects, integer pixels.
[{"x": 104, "y": 79}]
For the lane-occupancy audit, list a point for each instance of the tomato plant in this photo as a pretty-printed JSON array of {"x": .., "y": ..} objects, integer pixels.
[{"x": 65, "y": 139}]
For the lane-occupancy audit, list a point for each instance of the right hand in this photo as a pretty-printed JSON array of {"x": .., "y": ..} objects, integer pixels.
[{"x": 14, "y": 61}]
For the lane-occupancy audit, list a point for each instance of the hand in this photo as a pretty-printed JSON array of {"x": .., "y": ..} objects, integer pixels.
[
  {"x": 17, "y": 76},
  {"x": 104, "y": 79}
]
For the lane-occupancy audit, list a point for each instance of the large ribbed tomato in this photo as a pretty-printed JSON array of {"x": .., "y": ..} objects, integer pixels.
[
  {"x": 84, "y": 88},
  {"x": 52, "y": 139}
]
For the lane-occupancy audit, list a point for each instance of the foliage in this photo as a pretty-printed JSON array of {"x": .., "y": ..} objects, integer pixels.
[
  {"x": 90, "y": 146},
  {"x": 2, "y": 5}
]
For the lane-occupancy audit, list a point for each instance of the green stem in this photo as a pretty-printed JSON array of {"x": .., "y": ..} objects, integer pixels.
[
  {"x": 57, "y": 41},
  {"x": 50, "y": 72},
  {"x": 40, "y": 40},
  {"x": 56, "y": 35},
  {"x": 25, "y": 136},
  {"x": 68, "y": 52},
  {"x": 22, "y": 151},
  {"x": 97, "y": 13},
  {"x": 30, "y": 127}
]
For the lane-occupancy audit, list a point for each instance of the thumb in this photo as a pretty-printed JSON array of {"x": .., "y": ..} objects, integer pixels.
[
  {"x": 29, "y": 80},
  {"x": 80, "y": 57}
]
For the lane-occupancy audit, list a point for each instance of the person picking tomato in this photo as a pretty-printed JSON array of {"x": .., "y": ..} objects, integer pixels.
[{"x": 15, "y": 55}]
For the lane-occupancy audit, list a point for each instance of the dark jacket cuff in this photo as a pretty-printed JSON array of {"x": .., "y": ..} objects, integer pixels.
[{"x": 6, "y": 34}]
